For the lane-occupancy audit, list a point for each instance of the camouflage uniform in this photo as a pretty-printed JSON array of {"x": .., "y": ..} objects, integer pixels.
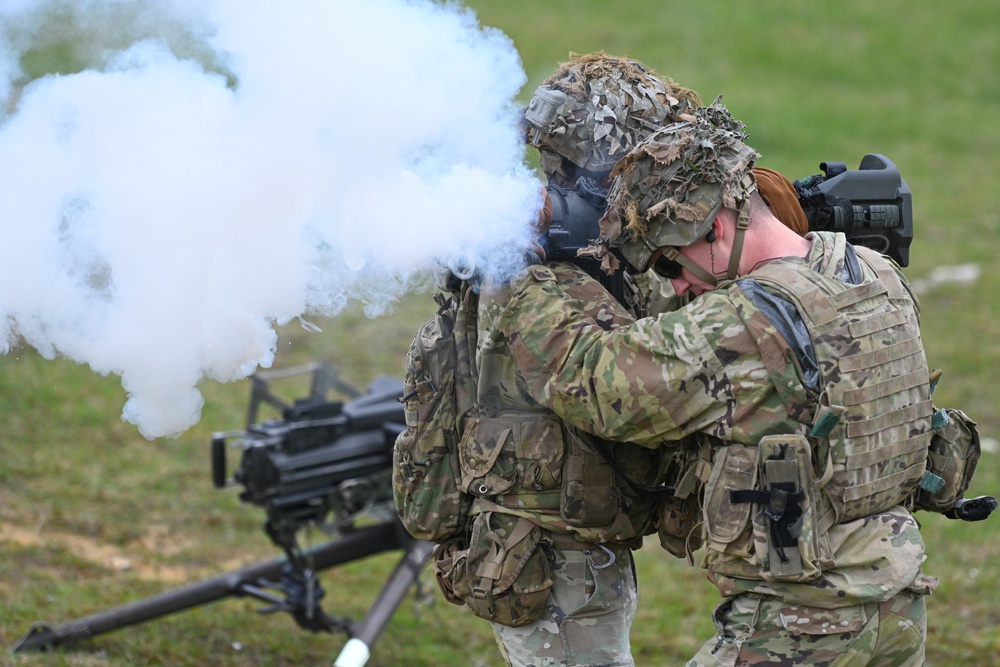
[
  {"x": 585, "y": 116},
  {"x": 588, "y": 617},
  {"x": 701, "y": 369},
  {"x": 585, "y": 503},
  {"x": 768, "y": 631},
  {"x": 762, "y": 368}
]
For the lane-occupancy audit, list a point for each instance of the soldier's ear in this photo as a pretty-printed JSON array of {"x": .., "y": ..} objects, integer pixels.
[{"x": 718, "y": 229}]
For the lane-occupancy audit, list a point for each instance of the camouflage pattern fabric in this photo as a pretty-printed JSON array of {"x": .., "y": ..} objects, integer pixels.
[
  {"x": 587, "y": 619},
  {"x": 612, "y": 104},
  {"x": 438, "y": 390},
  {"x": 668, "y": 190},
  {"x": 765, "y": 630},
  {"x": 657, "y": 295},
  {"x": 556, "y": 480},
  {"x": 701, "y": 369}
]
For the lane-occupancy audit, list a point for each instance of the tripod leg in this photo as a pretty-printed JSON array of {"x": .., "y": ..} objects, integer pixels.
[{"x": 363, "y": 635}]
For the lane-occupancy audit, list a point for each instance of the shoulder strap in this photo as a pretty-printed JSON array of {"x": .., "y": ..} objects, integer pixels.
[{"x": 466, "y": 305}]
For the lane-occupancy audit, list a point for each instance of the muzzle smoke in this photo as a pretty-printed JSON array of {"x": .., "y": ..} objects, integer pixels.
[{"x": 212, "y": 168}]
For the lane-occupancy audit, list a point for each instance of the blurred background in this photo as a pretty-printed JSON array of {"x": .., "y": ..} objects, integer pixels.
[{"x": 93, "y": 515}]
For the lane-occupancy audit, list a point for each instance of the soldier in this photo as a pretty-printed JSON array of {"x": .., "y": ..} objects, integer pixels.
[
  {"x": 800, "y": 363},
  {"x": 552, "y": 513}
]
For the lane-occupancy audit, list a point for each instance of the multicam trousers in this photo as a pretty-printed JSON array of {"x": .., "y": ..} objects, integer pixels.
[
  {"x": 587, "y": 618},
  {"x": 762, "y": 630}
]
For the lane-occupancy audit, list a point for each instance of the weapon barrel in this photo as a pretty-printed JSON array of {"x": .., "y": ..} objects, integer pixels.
[{"x": 352, "y": 546}]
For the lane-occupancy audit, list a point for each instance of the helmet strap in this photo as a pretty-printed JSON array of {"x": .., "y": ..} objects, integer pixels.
[
  {"x": 675, "y": 255},
  {"x": 742, "y": 222}
]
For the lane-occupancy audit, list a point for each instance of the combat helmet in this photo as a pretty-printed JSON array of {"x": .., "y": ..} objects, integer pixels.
[
  {"x": 595, "y": 108},
  {"x": 668, "y": 191}
]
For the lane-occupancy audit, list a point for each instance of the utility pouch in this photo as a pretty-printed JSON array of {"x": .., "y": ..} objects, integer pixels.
[
  {"x": 951, "y": 461},
  {"x": 797, "y": 549},
  {"x": 447, "y": 559},
  {"x": 512, "y": 452},
  {"x": 503, "y": 575},
  {"x": 680, "y": 514},
  {"x": 590, "y": 495},
  {"x": 735, "y": 467},
  {"x": 784, "y": 513}
]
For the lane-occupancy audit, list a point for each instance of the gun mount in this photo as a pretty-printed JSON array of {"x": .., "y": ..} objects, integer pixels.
[{"x": 323, "y": 464}]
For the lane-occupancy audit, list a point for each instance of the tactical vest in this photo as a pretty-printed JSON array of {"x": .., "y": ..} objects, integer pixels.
[
  {"x": 866, "y": 450},
  {"x": 519, "y": 458}
]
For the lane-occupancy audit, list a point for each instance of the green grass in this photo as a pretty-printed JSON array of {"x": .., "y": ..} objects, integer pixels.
[{"x": 82, "y": 493}]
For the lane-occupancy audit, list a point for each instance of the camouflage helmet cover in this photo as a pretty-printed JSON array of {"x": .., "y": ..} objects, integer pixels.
[
  {"x": 596, "y": 107},
  {"x": 670, "y": 188}
]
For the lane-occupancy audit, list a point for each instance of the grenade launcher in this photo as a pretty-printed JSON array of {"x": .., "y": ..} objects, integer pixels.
[{"x": 323, "y": 464}]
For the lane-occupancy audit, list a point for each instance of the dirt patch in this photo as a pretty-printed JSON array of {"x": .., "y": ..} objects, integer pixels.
[{"x": 109, "y": 556}]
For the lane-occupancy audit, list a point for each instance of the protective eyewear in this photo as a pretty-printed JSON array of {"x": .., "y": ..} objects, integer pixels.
[{"x": 667, "y": 268}]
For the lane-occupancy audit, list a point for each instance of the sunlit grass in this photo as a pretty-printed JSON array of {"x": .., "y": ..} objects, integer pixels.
[{"x": 92, "y": 515}]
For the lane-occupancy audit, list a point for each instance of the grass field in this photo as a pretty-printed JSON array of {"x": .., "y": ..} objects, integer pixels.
[{"x": 92, "y": 515}]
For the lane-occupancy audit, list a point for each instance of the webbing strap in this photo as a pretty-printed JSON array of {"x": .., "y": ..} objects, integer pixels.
[
  {"x": 674, "y": 255},
  {"x": 773, "y": 497},
  {"x": 530, "y": 499},
  {"x": 568, "y": 542},
  {"x": 898, "y": 479},
  {"x": 888, "y": 420},
  {"x": 859, "y": 293},
  {"x": 883, "y": 355},
  {"x": 886, "y": 387},
  {"x": 882, "y": 454},
  {"x": 742, "y": 222},
  {"x": 492, "y": 566},
  {"x": 878, "y": 323}
]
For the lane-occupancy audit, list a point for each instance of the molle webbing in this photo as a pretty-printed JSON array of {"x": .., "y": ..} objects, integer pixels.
[{"x": 872, "y": 365}]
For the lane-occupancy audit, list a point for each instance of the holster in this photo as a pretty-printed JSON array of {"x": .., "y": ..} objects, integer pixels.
[{"x": 797, "y": 546}]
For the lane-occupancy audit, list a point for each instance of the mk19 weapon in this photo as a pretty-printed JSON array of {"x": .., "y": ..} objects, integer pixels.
[{"x": 324, "y": 464}]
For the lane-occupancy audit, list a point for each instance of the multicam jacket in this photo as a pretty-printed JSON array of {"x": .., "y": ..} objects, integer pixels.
[
  {"x": 722, "y": 368},
  {"x": 519, "y": 458}
]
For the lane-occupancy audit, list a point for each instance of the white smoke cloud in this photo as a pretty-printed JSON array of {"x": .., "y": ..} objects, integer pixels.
[{"x": 213, "y": 168}]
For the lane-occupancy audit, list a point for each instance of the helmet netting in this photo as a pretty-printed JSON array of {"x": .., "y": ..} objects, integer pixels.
[{"x": 614, "y": 104}]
